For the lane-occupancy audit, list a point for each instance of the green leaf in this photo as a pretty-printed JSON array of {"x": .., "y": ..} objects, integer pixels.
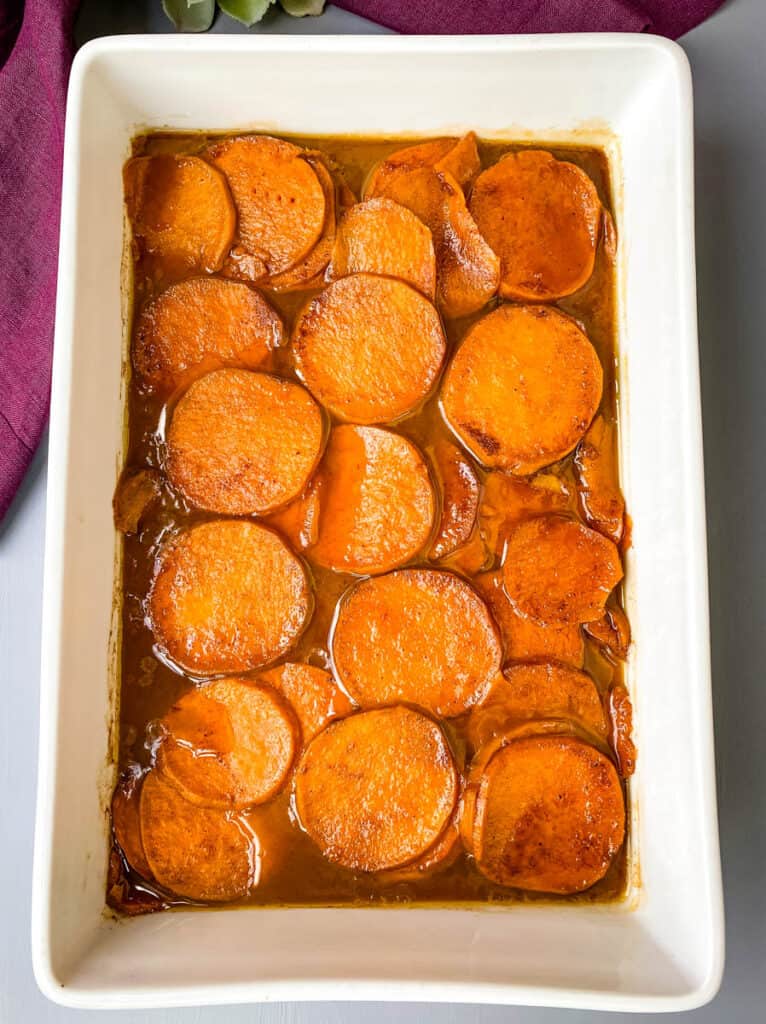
[
  {"x": 190, "y": 15},
  {"x": 300, "y": 8},
  {"x": 246, "y": 11}
]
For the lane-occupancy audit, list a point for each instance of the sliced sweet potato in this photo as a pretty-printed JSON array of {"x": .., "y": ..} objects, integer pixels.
[
  {"x": 469, "y": 559},
  {"x": 538, "y": 690},
  {"x": 376, "y": 501},
  {"x": 309, "y": 269},
  {"x": 369, "y": 348},
  {"x": 375, "y": 790},
  {"x": 227, "y": 596},
  {"x": 136, "y": 490},
  {"x": 382, "y": 237},
  {"x": 621, "y": 738},
  {"x": 181, "y": 210},
  {"x": 507, "y": 500},
  {"x": 550, "y": 815},
  {"x": 125, "y": 821},
  {"x": 522, "y": 388},
  {"x": 243, "y": 443},
  {"x": 229, "y": 744},
  {"x": 558, "y": 571},
  {"x": 420, "y": 636},
  {"x": 611, "y": 632},
  {"x": 313, "y": 694},
  {"x": 467, "y": 270},
  {"x": 196, "y": 852},
  {"x": 597, "y": 482},
  {"x": 542, "y": 217},
  {"x": 200, "y": 325},
  {"x": 459, "y": 157},
  {"x": 280, "y": 202},
  {"x": 442, "y": 854},
  {"x": 299, "y": 521},
  {"x": 525, "y": 639},
  {"x": 460, "y": 499}
]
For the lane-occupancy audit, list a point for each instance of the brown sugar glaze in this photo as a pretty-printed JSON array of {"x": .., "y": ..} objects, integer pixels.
[{"x": 294, "y": 872}]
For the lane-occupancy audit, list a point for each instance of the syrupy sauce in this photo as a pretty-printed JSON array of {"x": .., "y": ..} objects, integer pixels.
[{"x": 294, "y": 872}]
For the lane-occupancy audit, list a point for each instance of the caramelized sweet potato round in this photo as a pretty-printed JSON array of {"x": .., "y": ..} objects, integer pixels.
[
  {"x": 243, "y": 443},
  {"x": 313, "y": 694},
  {"x": 460, "y": 499},
  {"x": 507, "y": 500},
  {"x": 420, "y": 636},
  {"x": 181, "y": 210},
  {"x": 229, "y": 744},
  {"x": 458, "y": 157},
  {"x": 196, "y": 852},
  {"x": 382, "y": 237},
  {"x": 200, "y": 325},
  {"x": 611, "y": 632},
  {"x": 369, "y": 348},
  {"x": 126, "y": 823},
  {"x": 375, "y": 790},
  {"x": 542, "y": 217},
  {"x": 279, "y": 198},
  {"x": 550, "y": 815},
  {"x": 227, "y": 596},
  {"x": 522, "y": 388},
  {"x": 376, "y": 502},
  {"x": 559, "y": 571},
  {"x": 596, "y": 467},
  {"x": 306, "y": 272}
]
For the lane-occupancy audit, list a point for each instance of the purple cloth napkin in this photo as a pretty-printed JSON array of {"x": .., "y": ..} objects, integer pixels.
[
  {"x": 470, "y": 17},
  {"x": 32, "y": 94}
]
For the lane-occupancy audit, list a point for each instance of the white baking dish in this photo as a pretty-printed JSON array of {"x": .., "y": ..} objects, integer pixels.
[{"x": 662, "y": 948}]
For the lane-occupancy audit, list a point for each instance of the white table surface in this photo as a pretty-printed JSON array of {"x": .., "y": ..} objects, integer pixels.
[{"x": 728, "y": 56}]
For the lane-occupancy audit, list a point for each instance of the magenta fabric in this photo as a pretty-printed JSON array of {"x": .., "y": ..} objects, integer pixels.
[
  {"x": 471, "y": 17},
  {"x": 32, "y": 96}
]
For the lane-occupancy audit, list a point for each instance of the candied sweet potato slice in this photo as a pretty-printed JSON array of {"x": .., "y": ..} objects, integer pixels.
[
  {"x": 299, "y": 521},
  {"x": 375, "y": 790},
  {"x": 369, "y": 348},
  {"x": 538, "y": 690},
  {"x": 611, "y": 632},
  {"x": 242, "y": 442},
  {"x": 126, "y": 823},
  {"x": 279, "y": 197},
  {"x": 308, "y": 270},
  {"x": 419, "y": 636},
  {"x": 313, "y": 694},
  {"x": 507, "y": 500},
  {"x": 227, "y": 596},
  {"x": 460, "y": 499},
  {"x": 229, "y": 744},
  {"x": 136, "y": 490},
  {"x": 621, "y": 738},
  {"x": 542, "y": 217},
  {"x": 181, "y": 210},
  {"x": 550, "y": 815},
  {"x": 524, "y": 639},
  {"x": 382, "y": 237},
  {"x": 199, "y": 325},
  {"x": 442, "y": 854},
  {"x": 458, "y": 156},
  {"x": 199, "y": 853},
  {"x": 462, "y": 161},
  {"x": 522, "y": 388},
  {"x": 467, "y": 270},
  {"x": 596, "y": 467},
  {"x": 558, "y": 571},
  {"x": 376, "y": 501}
]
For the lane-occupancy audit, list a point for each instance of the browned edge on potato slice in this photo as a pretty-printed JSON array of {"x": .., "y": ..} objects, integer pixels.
[
  {"x": 381, "y": 237},
  {"x": 375, "y": 790},
  {"x": 242, "y": 442},
  {"x": 457, "y": 156},
  {"x": 416, "y": 636},
  {"x": 308, "y": 271},
  {"x": 460, "y": 499},
  {"x": 369, "y": 348},
  {"x": 550, "y": 815},
  {"x": 180, "y": 209},
  {"x": 199, "y": 325},
  {"x": 136, "y": 491},
  {"x": 279, "y": 198},
  {"x": 376, "y": 501},
  {"x": 227, "y": 596},
  {"x": 199, "y": 853},
  {"x": 621, "y": 738},
  {"x": 542, "y": 217},
  {"x": 611, "y": 632},
  {"x": 522, "y": 388},
  {"x": 524, "y": 639},
  {"x": 229, "y": 744},
  {"x": 313, "y": 694},
  {"x": 598, "y": 485},
  {"x": 126, "y": 824},
  {"x": 558, "y": 571}
]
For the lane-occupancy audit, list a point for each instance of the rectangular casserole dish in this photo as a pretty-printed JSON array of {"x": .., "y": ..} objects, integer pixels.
[{"x": 662, "y": 947}]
